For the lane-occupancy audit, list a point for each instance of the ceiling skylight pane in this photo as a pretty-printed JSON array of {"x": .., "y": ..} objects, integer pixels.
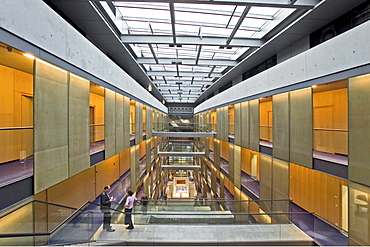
[
  {"x": 201, "y": 19},
  {"x": 156, "y": 67},
  {"x": 170, "y": 67},
  {"x": 186, "y": 30},
  {"x": 136, "y": 49},
  {"x": 161, "y": 28},
  {"x": 146, "y": 13},
  {"x": 252, "y": 23},
  {"x": 264, "y": 10},
  {"x": 244, "y": 34},
  {"x": 211, "y": 31},
  {"x": 206, "y": 8}
]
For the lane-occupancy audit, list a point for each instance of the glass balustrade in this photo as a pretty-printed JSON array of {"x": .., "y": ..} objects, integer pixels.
[
  {"x": 181, "y": 127},
  {"x": 97, "y": 139},
  {"x": 42, "y": 223},
  {"x": 16, "y": 159}
]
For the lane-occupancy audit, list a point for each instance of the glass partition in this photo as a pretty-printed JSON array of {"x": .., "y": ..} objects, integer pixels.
[
  {"x": 97, "y": 138},
  {"x": 16, "y": 114},
  {"x": 41, "y": 223}
]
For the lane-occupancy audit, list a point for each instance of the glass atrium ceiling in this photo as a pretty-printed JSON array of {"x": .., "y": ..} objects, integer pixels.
[{"x": 185, "y": 47}]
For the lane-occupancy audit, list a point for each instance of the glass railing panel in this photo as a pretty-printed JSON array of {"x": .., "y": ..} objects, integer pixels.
[
  {"x": 266, "y": 133},
  {"x": 231, "y": 130},
  {"x": 97, "y": 139},
  {"x": 76, "y": 230},
  {"x": 16, "y": 154},
  {"x": 182, "y": 127},
  {"x": 331, "y": 145}
]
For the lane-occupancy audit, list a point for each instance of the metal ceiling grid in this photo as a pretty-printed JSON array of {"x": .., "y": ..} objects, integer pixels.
[{"x": 186, "y": 46}]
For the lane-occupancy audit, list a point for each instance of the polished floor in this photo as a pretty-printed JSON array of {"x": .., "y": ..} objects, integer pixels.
[{"x": 210, "y": 234}]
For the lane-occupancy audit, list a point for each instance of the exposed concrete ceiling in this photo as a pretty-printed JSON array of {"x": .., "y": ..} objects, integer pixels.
[{"x": 91, "y": 19}]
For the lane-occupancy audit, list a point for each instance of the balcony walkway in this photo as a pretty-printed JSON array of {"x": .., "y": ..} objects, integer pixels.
[{"x": 231, "y": 234}]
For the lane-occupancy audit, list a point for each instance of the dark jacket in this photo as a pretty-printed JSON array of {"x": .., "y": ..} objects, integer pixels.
[
  {"x": 144, "y": 200},
  {"x": 104, "y": 200}
]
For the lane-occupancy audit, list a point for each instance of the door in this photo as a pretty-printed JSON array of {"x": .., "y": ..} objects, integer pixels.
[
  {"x": 254, "y": 165},
  {"x": 26, "y": 121}
]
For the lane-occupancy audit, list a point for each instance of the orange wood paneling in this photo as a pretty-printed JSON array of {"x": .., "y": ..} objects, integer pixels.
[
  {"x": 224, "y": 146},
  {"x": 142, "y": 149},
  {"x": 106, "y": 173},
  {"x": 124, "y": 163},
  {"x": 316, "y": 192},
  {"x": 245, "y": 160}
]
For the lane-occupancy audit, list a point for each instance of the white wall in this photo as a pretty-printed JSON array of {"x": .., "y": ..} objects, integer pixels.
[
  {"x": 345, "y": 51},
  {"x": 35, "y": 22}
]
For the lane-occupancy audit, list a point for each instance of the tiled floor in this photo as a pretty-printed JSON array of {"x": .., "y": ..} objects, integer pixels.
[
  {"x": 336, "y": 158},
  {"x": 210, "y": 234},
  {"x": 250, "y": 183},
  {"x": 15, "y": 170}
]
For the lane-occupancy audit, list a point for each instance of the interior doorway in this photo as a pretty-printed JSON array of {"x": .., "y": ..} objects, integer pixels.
[
  {"x": 26, "y": 121},
  {"x": 344, "y": 207},
  {"x": 254, "y": 166}
]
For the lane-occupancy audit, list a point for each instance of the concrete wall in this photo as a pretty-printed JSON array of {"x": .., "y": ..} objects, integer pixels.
[
  {"x": 36, "y": 23},
  {"x": 346, "y": 51}
]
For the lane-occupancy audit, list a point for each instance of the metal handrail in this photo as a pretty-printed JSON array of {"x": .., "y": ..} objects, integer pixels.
[
  {"x": 55, "y": 228},
  {"x": 34, "y": 200},
  {"x": 329, "y": 222},
  {"x": 324, "y": 129},
  {"x": 17, "y": 128}
]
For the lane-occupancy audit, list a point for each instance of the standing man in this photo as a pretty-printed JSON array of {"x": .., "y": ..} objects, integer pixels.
[
  {"x": 128, "y": 209},
  {"x": 105, "y": 201},
  {"x": 144, "y": 201}
]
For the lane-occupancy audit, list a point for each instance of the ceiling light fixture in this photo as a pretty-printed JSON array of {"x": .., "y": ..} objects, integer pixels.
[{"x": 29, "y": 55}]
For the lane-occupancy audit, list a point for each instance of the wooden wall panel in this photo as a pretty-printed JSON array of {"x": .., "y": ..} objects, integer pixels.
[
  {"x": 266, "y": 120},
  {"x": 316, "y": 192},
  {"x": 331, "y": 112},
  {"x": 246, "y": 160},
  {"x": 237, "y": 166},
  {"x": 97, "y": 102},
  {"x": 212, "y": 144},
  {"x": 124, "y": 159},
  {"x": 231, "y": 119},
  {"x": 213, "y": 116},
  {"x": 119, "y": 123},
  {"x": 224, "y": 150},
  {"x": 254, "y": 125},
  {"x": 78, "y": 129},
  {"x": 142, "y": 149},
  {"x": 359, "y": 129},
  {"x": 301, "y": 127},
  {"x": 51, "y": 126},
  {"x": 75, "y": 190},
  {"x": 281, "y": 126},
  {"x": 17, "y": 87},
  {"x": 132, "y": 116},
  {"x": 110, "y": 123},
  {"x": 107, "y": 172}
]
